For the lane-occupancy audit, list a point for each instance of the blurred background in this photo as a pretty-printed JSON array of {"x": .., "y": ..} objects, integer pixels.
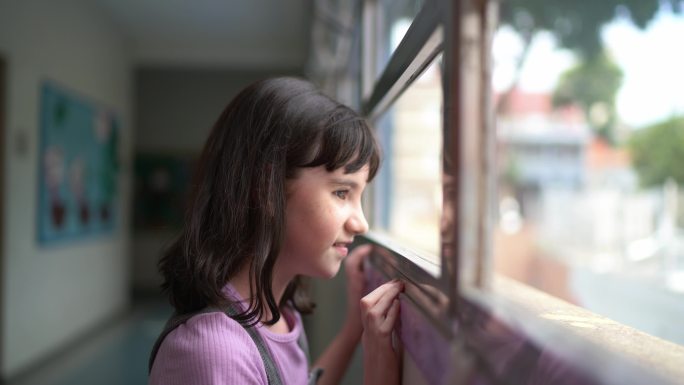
[{"x": 590, "y": 148}]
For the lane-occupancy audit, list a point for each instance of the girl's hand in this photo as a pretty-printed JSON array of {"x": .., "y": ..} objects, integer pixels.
[
  {"x": 379, "y": 312},
  {"x": 353, "y": 269}
]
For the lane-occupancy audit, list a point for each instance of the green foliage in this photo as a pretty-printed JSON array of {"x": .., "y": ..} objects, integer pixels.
[
  {"x": 593, "y": 84},
  {"x": 577, "y": 24},
  {"x": 658, "y": 152}
]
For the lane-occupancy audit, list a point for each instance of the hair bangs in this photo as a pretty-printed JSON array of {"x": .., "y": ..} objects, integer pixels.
[{"x": 346, "y": 141}]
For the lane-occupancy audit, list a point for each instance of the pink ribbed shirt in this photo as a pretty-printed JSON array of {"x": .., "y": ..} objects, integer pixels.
[{"x": 213, "y": 349}]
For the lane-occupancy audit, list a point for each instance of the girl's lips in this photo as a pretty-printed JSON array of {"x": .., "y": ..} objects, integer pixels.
[{"x": 341, "y": 248}]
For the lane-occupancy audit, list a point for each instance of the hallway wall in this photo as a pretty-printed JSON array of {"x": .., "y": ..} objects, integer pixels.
[{"x": 52, "y": 295}]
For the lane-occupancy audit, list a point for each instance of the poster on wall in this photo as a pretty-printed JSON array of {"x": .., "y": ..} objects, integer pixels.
[{"x": 78, "y": 167}]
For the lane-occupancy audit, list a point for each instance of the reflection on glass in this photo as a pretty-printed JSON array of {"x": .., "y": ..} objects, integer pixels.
[
  {"x": 409, "y": 192},
  {"x": 590, "y": 151}
]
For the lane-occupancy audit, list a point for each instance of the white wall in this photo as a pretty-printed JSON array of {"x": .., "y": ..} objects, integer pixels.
[
  {"x": 53, "y": 295},
  {"x": 176, "y": 108}
]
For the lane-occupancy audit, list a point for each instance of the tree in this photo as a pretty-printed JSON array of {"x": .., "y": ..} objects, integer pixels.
[
  {"x": 575, "y": 24},
  {"x": 593, "y": 84},
  {"x": 658, "y": 152}
]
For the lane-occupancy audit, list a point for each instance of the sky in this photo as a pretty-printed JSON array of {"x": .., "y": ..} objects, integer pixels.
[{"x": 652, "y": 60}]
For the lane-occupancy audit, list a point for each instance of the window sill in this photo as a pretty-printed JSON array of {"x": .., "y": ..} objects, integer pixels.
[
  {"x": 424, "y": 263},
  {"x": 607, "y": 350}
]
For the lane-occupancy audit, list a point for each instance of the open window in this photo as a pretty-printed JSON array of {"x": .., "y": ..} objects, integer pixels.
[
  {"x": 404, "y": 59},
  {"x": 452, "y": 196}
]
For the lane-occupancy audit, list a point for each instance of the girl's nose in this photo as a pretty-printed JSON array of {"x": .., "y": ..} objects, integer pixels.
[{"x": 357, "y": 223}]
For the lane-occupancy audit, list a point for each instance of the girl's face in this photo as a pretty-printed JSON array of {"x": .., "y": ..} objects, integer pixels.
[{"x": 322, "y": 215}]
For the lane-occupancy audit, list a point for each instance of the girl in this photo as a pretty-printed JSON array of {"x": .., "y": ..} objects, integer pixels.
[{"x": 277, "y": 197}]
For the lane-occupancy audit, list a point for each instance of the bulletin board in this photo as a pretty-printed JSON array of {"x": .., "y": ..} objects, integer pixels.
[{"x": 78, "y": 167}]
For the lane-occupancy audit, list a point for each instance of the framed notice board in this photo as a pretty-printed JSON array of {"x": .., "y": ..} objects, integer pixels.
[{"x": 78, "y": 167}]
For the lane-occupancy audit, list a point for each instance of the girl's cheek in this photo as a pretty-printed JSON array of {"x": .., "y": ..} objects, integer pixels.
[{"x": 330, "y": 211}]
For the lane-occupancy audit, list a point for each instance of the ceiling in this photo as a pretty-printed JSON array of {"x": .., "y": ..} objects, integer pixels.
[{"x": 213, "y": 33}]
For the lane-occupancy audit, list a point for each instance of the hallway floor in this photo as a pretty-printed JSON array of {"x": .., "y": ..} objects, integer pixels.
[{"x": 116, "y": 356}]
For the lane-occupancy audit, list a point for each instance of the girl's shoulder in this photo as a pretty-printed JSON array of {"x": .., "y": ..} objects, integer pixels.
[
  {"x": 210, "y": 345},
  {"x": 214, "y": 326}
]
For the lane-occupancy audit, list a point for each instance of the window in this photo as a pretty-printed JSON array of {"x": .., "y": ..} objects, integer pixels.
[
  {"x": 410, "y": 189},
  {"x": 405, "y": 104},
  {"x": 530, "y": 202},
  {"x": 391, "y": 21}
]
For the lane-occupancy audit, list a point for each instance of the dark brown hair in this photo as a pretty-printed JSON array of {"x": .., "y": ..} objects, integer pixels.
[{"x": 236, "y": 214}]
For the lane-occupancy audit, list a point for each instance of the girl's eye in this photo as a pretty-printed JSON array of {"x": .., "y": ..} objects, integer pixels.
[{"x": 342, "y": 194}]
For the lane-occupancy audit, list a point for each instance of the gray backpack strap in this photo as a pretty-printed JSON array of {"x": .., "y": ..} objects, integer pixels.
[
  {"x": 271, "y": 369},
  {"x": 304, "y": 345},
  {"x": 175, "y": 321},
  {"x": 178, "y": 319},
  {"x": 315, "y": 373}
]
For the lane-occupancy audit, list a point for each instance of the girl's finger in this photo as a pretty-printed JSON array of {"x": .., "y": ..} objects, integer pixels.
[
  {"x": 373, "y": 297},
  {"x": 355, "y": 259},
  {"x": 385, "y": 301},
  {"x": 392, "y": 315},
  {"x": 361, "y": 250}
]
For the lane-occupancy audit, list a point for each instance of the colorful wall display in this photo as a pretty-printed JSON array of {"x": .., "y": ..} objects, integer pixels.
[{"x": 78, "y": 167}]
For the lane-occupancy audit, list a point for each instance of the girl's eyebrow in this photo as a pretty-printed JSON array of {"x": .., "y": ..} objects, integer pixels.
[{"x": 345, "y": 182}]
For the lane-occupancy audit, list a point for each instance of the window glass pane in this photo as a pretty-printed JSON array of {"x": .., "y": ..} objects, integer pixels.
[
  {"x": 395, "y": 18},
  {"x": 590, "y": 140},
  {"x": 408, "y": 198}
]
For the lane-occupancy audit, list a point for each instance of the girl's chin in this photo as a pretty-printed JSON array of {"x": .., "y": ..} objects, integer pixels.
[{"x": 331, "y": 272}]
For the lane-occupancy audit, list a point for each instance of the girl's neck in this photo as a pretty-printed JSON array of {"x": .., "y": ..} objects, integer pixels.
[{"x": 241, "y": 284}]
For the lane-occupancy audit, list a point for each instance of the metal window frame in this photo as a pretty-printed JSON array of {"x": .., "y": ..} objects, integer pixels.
[{"x": 422, "y": 43}]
